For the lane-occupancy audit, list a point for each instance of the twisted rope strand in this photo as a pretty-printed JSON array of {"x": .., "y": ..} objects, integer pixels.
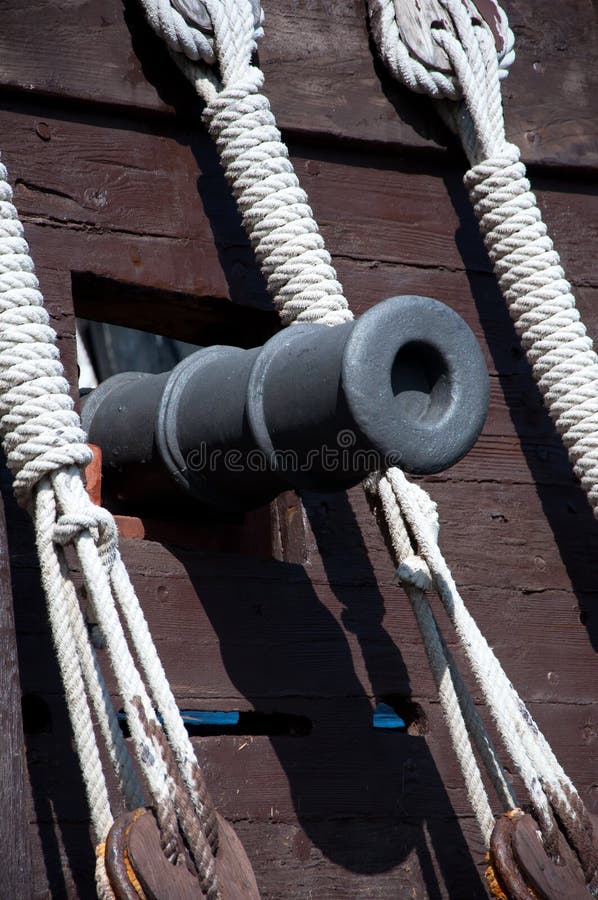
[
  {"x": 303, "y": 284},
  {"x": 52, "y": 574},
  {"x": 45, "y": 448},
  {"x": 45, "y": 445},
  {"x": 561, "y": 355},
  {"x": 461, "y": 718},
  {"x": 304, "y": 287},
  {"x": 274, "y": 208},
  {"x": 545, "y": 780}
]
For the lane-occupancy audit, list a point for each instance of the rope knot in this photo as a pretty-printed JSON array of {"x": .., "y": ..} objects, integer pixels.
[
  {"x": 212, "y": 41},
  {"x": 98, "y": 522},
  {"x": 414, "y": 571}
]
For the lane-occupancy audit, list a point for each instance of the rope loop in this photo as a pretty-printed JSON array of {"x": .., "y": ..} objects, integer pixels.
[
  {"x": 98, "y": 522},
  {"x": 414, "y": 74},
  {"x": 215, "y": 55}
]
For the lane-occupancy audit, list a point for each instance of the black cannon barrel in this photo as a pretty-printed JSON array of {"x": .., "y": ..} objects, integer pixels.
[{"x": 315, "y": 407}]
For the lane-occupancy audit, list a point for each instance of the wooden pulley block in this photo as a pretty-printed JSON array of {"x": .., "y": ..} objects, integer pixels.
[
  {"x": 521, "y": 869},
  {"x": 137, "y": 868},
  {"x": 196, "y": 13},
  {"x": 417, "y": 20}
]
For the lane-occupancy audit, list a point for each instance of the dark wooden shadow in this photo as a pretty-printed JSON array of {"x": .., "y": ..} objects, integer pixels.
[
  {"x": 363, "y": 796},
  {"x": 55, "y": 780}
]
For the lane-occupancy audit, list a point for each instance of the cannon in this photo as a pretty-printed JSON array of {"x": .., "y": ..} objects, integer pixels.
[{"x": 315, "y": 408}]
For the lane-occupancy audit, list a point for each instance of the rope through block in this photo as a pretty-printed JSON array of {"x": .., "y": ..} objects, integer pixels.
[
  {"x": 46, "y": 451},
  {"x": 539, "y": 298}
]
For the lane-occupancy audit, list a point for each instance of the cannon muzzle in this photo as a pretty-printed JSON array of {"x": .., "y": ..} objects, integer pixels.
[{"x": 315, "y": 407}]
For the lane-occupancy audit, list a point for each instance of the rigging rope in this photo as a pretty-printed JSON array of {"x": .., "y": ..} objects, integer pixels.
[
  {"x": 289, "y": 247},
  {"x": 532, "y": 281},
  {"x": 46, "y": 450},
  {"x": 304, "y": 287},
  {"x": 539, "y": 298}
]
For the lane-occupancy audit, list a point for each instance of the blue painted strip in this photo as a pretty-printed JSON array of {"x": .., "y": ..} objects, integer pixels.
[
  {"x": 200, "y": 717},
  {"x": 209, "y": 717},
  {"x": 386, "y": 717}
]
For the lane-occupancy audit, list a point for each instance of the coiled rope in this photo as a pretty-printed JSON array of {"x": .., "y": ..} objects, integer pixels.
[
  {"x": 304, "y": 287},
  {"x": 532, "y": 281}
]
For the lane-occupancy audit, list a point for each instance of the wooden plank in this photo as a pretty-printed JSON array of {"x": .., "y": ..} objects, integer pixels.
[
  {"x": 344, "y": 769},
  {"x": 96, "y": 177},
  {"x": 15, "y": 860},
  {"x": 290, "y": 865},
  {"x": 547, "y": 670},
  {"x": 270, "y": 630},
  {"x": 114, "y": 219},
  {"x": 197, "y": 320},
  {"x": 435, "y": 863},
  {"x": 98, "y": 55}
]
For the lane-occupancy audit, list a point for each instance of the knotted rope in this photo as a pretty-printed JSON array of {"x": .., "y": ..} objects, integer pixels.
[
  {"x": 540, "y": 303},
  {"x": 275, "y": 211},
  {"x": 527, "y": 266},
  {"x": 304, "y": 287},
  {"x": 46, "y": 449}
]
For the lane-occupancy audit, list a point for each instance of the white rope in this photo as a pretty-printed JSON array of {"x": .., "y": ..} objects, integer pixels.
[
  {"x": 303, "y": 284},
  {"x": 555, "y": 340},
  {"x": 407, "y": 68},
  {"x": 45, "y": 449},
  {"x": 275, "y": 211},
  {"x": 528, "y": 268},
  {"x": 461, "y": 717}
]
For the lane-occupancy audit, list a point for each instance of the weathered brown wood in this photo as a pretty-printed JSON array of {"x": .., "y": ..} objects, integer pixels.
[
  {"x": 504, "y": 874},
  {"x": 415, "y": 26},
  {"x": 93, "y": 182},
  {"x": 417, "y": 21},
  {"x": 549, "y": 879},
  {"x": 115, "y": 860},
  {"x": 15, "y": 861},
  {"x": 109, "y": 57},
  {"x": 125, "y": 207},
  {"x": 133, "y": 848},
  {"x": 159, "y": 879},
  {"x": 234, "y": 869}
]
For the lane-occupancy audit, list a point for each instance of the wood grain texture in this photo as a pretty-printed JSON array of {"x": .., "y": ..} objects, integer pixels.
[
  {"x": 15, "y": 854},
  {"x": 129, "y": 218},
  {"x": 321, "y": 74},
  {"x": 355, "y": 195}
]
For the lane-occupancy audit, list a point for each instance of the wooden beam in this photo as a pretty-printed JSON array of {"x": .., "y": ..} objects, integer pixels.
[
  {"x": 107, "y": 56},
  {"x": 15, "y": 864},
  {"x": 175, "y": 314}
]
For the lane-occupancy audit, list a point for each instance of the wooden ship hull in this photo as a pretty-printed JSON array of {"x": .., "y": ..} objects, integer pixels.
[{"x": 290, "y": 616}]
